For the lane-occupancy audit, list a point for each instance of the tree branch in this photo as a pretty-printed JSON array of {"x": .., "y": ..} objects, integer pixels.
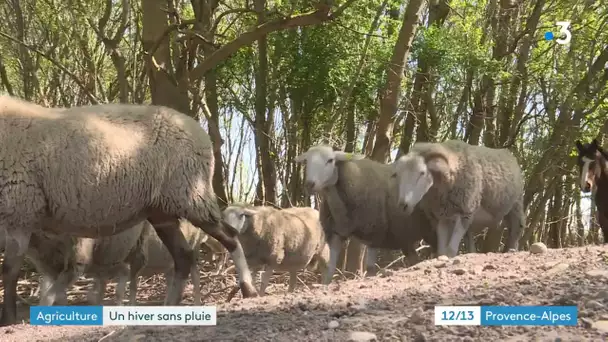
[
  {"x": 312, "y": 18},
  {"x": 73, "y": 76}
]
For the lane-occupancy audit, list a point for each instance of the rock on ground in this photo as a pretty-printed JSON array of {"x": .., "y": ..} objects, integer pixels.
[
  {"x": 398, "y": 307},
  {"x": 538, "y": 248}
]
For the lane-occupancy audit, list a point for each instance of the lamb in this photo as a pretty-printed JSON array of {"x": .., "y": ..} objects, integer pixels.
[
  {"x": 279, "y": 239},
  {"x": 122, "y": 255},
  {"x": 126, "y": 255},
  {"x": 60, "y": 259},
  {"x": 52, "y": 256},
  {"x": 359, "y": 198},
  {"x": 158, "y": 258},
  {"x": 94, "y": 171},
  {"x": 459, "y": 186}
]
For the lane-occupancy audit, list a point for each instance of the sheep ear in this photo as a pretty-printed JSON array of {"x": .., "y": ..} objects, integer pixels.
[
  {"x": 302, "y": 157},
  {"x": 345, "y": 156},
  {"x": 249, "y": 212},
  {"x": 439, "y": 167}
]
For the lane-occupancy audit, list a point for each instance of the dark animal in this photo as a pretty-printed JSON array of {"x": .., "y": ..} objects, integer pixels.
[{"x": 593, "y": 170}]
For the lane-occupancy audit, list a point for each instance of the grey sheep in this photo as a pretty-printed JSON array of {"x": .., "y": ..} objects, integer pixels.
[
  {"x": 94, "y": 171},
  {"x": 158, "y": 258},
  {"x": 359, "y": 198},
  {"x": 121, "y": 256},
  {"x": 52, "y": 256},
  {"x": 460, "y": 186},
  {"x": 279, "y": 239}
]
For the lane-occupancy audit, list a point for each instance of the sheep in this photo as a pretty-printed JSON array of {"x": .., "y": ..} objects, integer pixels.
[
  {"x": 122, "y": 255},
  {"x": 52, "y": 256},
  {"x": 94, "y": 171},
  {"x": 359, "y": 198},
  {"x": 60, "y": 259},
  {"x": 279, "y": 239},
  {"x": 159, "y": 259},
  {"x": 459, "y": 186}
]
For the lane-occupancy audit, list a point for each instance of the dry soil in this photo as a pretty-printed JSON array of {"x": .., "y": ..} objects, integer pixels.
[{"x": 396, "y": 305}]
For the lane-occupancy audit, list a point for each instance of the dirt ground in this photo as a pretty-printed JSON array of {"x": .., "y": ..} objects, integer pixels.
[{"x": 397, "y": 305}]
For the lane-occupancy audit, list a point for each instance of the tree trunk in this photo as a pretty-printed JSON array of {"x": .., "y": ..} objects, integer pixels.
[
  {"x": 164, "y": 92},
  {"x": 204, "y": 14},
  {"x": 267, "y": 173},
  {"x": 424, "y": 81},
  {"x": 390, "y": 94}
]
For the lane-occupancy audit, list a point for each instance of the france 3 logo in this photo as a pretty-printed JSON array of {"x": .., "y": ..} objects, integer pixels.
[{"x": 564, "y": 36}]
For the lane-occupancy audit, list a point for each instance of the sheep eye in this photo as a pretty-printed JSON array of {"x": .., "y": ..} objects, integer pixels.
[
  {"x": 422, "y": 173},
  {"x": 394, "y": 175},
  {"x": 330, "y": 160}
]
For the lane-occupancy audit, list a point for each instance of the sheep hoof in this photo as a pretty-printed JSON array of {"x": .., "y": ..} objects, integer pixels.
[{"x": 248, "y": 290}]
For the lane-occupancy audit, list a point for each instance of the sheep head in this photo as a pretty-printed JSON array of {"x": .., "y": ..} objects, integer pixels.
[
  {"x": 321, "y": 170},
  {"x": 417, "y": 172},
  {"x": 236, "y": 217}
]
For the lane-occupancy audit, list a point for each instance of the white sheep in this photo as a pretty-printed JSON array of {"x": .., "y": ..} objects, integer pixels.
[
  {"x": 279, "y": 239},
  {"x": 94, "y": 171},
  {"x": 359, "y": 198},
  {"x": 459, "y": 186}
]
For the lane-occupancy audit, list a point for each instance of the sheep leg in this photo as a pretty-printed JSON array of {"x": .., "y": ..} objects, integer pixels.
[
  {"x": 443, "y": 232},
  {"x": 221, "y": 263},
  {"x": 265, "y": 279},
  {"x": 293, "y": 280},
  {"x": 121, "y": 285},
  {"x": 170, "y": 234},
  {"x": 137, "y": 263},
  {"x": 516, "y": 221},
  {"x": 335, "y": 245},
  {"x": 370, "y": 262},
  {"x": 44, "y": 287},
  {"x": 196, "y": 284},
  {"x": 133, "y": 279},
  {"x": 60, "y": 286},
  {"x": 97, "y": 292},
  {"x": 470, "y": 242},
  {"x": 14, "y": 255},
  {"x": 461, "y": 226},
  {"x": 168, "y": 280},
  {"x": 227, "y": 237}
]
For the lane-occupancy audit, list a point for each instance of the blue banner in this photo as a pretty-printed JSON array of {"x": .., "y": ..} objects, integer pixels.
[
  {"x": 66, "y": 315},
  {"x": 529, "y": 315}
]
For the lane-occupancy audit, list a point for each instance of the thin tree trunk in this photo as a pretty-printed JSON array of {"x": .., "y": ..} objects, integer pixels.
[
  {"x": 267, "y": 170},
  {"x": 390, "y": 94}
]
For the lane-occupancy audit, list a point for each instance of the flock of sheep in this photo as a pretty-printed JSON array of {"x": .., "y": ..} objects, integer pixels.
[{"x": 122, "y": 191}]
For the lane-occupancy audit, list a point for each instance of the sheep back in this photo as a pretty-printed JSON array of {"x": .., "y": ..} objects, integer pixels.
[
  {"x": 481, "y": 177},
  {"x": 76, "y": 159},
  {"x": 286, "y": 239},
  {"x": 367, "y": 196}
]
